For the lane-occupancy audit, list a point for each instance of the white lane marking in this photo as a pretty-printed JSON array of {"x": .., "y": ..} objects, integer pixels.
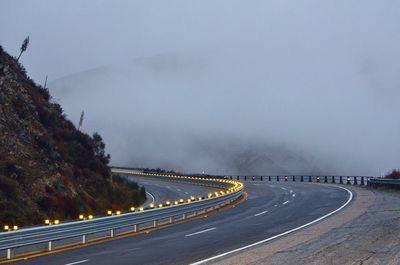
[
  {"x": 285, "y": 202},
  {"x": 290, "y": 191},
  {"x": 280, "y": 235},
  {"x": 200, "y": 232},
  {"x": 178, "y": 189},
  {"x": 276, "y": 205},
  {"x": 293, "y": 195},
  {"x": 283, "y": 188},
  {"x": 152, "y": 197},
  {"x": 77, "y": 262},
  {"x": 186, "y": 192},
  {"x": 257, "y": 214}
]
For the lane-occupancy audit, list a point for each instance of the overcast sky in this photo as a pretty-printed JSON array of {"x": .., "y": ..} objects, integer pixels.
[{"x": 320, "y": 78}]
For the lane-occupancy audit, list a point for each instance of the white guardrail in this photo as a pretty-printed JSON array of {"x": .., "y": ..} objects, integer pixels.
[{"x": 162, "y": 214}]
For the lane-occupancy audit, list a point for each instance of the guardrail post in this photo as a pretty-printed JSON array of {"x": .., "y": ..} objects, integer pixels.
[
  {"x": 301, "y": 178},
  {"x": 230, "y": 177},
  {"x": 112, "y": 233},
  {"x": 171, "y": 220},
  {"x": 309, "y": 179},
  {"x": 285, "y": 178},
  {"x": 355, "y": 181},
  {"x": 261, "y": 178},
  {"x": 269, "y": 178},
  {"x": 294, "y": 178},
  {"x": 237, "y": 177},
  {"x": 135, "y": 228},
  {"x": 362, "y": 181},
  {"x": 245, "y": 177},
  {"x": 326, "y": 179},
  {"x": 183, "y": 216},
  {"x": 50, "y": 246},
  {"x": 84, "y": 239},
  {"x": 252, "y": 178},
  {"x": 155, "y": 223},
  {"x": 277, "y": 178},
  {"x": 348, "y": 181},
  {"x": 317, "y": 178},
  {"x": 10, "y": 253},
  {"x": 333, "y": 179},
  {"x": 340, "y": 180}
]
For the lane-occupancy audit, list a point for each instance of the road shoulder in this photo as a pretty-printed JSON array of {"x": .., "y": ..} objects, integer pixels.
[{"x": 365, "y": 232}]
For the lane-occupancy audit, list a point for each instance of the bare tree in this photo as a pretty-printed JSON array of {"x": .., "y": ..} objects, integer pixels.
[
  {"x": 81, "y": 120},
  {"x": 24, "y": 46}
]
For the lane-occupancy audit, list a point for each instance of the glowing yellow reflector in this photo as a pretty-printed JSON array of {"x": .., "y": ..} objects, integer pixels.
[
  {"x": 6, "y": 227},
  {"x": 141, "y": 209},
  {"x": 47, "y": 222},
  {"x": 176, "y": 202},
  {"x": 56, "y": 222},
  {"x": 160, "y": 205},
  {"x": 90, "y": 217},
  {"x": 151, "y": 205},
  {"x": 81, "y": 217},
  {"x": 168, "y": 203},
  {"x": 109, "y": 212},
  {"x": 132, "y": 209},
  {"x": 118, "y": 212},
  {"x": 15, "y": 227},
  {"x": 181, "y": 200}
]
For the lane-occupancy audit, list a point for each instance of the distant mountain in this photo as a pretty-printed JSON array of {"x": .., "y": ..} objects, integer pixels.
[
  {"x": 117, "y": 97},
  {"x": 47, "y": 167}
]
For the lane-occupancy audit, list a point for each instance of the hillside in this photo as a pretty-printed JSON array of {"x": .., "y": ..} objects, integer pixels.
[{"x": 47, "y": 167}]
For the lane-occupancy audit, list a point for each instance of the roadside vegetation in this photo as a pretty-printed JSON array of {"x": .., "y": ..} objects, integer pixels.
[
  {"x": 395, "y": 174},
  {"x": 49, "y": 168}
]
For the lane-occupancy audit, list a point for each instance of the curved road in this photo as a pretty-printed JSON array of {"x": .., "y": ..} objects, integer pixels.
[
  {"x": 162, "y": 191},
  {"x": 271, "y": 208}
]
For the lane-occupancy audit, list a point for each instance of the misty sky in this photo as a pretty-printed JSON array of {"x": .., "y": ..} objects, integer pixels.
[{"x": 198, "y": 85}]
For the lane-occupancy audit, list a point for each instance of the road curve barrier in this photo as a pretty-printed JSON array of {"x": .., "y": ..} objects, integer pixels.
[
  {"x": 349, "y": 180},
  {"x": 227, "y": 191},
  {"x": 384, "y": 183}
]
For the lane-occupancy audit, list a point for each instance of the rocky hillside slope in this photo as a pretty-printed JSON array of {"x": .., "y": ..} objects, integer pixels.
[{"x": 49, "y": 169}]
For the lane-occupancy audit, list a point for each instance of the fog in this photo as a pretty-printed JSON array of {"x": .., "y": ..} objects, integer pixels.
[{"x": 249, "y": 87}]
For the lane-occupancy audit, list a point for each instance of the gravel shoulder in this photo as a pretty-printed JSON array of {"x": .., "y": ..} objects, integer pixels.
[{"x": 365, "y": 232}]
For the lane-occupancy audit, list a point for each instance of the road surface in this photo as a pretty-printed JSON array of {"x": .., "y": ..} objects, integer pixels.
[{"x": 271, "y": 208}]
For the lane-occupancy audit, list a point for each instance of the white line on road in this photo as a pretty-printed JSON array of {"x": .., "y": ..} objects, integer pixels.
[
  {"x": 152, "y": 197},
  {"x": 285, "y": 202},
  {"x": 293, "y": 195},
  {"x": 290, "y": 191},
  {"x": 257, "y": 214},
  {"x": 178, "y": 189},
  {"x": 283, "y": 188},
  {"x": 186, "y": 192},
  {"x": 200, "y": 232},
  {"x": 77, "y": 262},
  {"x": 280, "y": 235}
]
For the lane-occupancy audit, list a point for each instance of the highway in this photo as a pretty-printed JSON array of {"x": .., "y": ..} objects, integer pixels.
[
  {"x": 161, "y": 191},
  {"x": 271, "y": 208}
]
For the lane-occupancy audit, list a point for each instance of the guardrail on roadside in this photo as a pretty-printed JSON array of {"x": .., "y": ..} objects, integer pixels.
[
  {"x": 133, "y": 222},
  {"x": 350, "y": 180},
  {"x": 384, "y": 183}
]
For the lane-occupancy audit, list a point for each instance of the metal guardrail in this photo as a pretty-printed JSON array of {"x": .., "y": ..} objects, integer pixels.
[
  {"x": 384, "y": 183},
  {"x": 350, "y": 180},
  {"x": 232, "y": 190}
]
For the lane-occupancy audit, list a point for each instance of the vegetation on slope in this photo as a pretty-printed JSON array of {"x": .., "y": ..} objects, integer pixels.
[{"x": 48, "y": 168}]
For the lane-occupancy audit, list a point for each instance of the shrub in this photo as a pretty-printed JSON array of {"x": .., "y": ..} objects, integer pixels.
[{"x": 395, "y": 174}]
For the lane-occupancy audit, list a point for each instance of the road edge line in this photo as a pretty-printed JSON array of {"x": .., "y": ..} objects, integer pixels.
[{"x": 281, "y": 234}]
